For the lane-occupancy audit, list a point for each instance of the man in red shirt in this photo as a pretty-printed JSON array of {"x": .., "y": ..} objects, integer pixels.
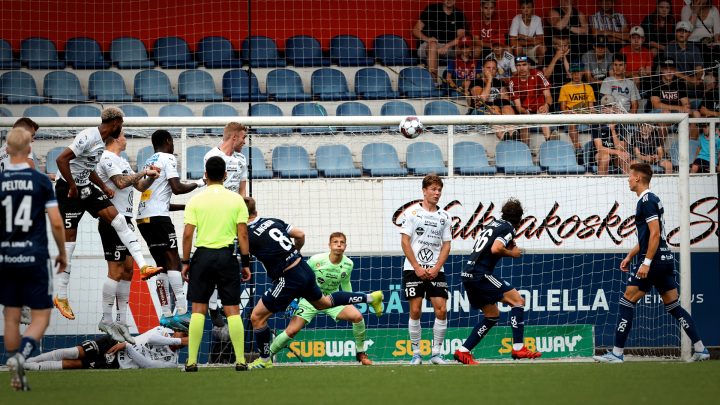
[
  {"x": 486, "y": 29},
  {"x": 530, "y": 91},
  {"x": 638, "y": 59}
]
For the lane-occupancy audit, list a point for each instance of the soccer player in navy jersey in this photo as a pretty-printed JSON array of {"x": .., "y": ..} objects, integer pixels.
[
  {"x": 656, "y": 269},
  {"x": 484, "y": 290},
  {"x": 25, "y": 268},
  {"x": 277, "y": 246}
]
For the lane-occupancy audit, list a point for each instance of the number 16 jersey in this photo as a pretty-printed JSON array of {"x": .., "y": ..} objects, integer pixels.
[{"x": 482, "y": 260}]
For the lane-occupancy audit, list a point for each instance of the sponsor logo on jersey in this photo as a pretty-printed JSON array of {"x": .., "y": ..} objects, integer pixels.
[
  {"x": 320, "y": 280},
  {"x": 425, "y": 255},
  {"x": 419, "y": 230}
]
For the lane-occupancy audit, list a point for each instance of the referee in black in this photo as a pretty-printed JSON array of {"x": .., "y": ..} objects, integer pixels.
[{"x": 220, "y": 216}]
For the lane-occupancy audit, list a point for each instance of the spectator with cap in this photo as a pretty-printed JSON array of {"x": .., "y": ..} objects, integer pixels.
[
  {"x": 464, "y": 69},
  {"x": 597, "y": 62},
  {"x": 440, "y": 27},
  {"x": 638, "y": 59},
  {"x": 659, "y": 27},
  {"x": 487, "y": 29},
  {"x": 669, "y": 95},
  {"x": 530, "y": 92},
  {"x": 505, "y": 60},
  {"x": 688, "y": 59},
  {"x": 526, "y": 33},
  {"x": 610, "y": 23},
  {"x": 576, "y": 96}
]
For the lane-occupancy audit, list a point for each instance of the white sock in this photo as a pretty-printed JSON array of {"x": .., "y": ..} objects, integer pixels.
[
  {"x": 415, "y": 331},
  {"x": 44, "y": 366},
  {"x": 439, "y": 328},
  {"x": 63, "y": 279},
  {"x": 518, "y": 346},
  {"x": 618, "y": 351},
  {"x": 176, "y": 282},
  {"x": 161, "y": 285},
  {"x": 699, "y": 346},
  {"x": 123, "y": 298},
  {"x": 70, "y": 353},
  {"x": 108, "y": 299},
  {"x": 129, "y": 239},
  {"x": 212, "y": 304}
]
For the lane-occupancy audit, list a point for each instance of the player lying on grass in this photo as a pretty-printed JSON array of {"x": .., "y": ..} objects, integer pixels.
[
  {"x": 156, "y": 348},
  {"x": 484, "y": 290},
  {"x": 332, "y": 272},
  {"x": 277, "y": 246}
]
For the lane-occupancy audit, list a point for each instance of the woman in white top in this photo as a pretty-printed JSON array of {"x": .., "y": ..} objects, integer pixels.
[{"x": 705, "y": 20}]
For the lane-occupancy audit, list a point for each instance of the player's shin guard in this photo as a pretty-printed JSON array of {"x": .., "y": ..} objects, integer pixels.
[
  {"x": 282, "y": 340},
  {"x": 686, "y": 321},
  {"x": 63, "y": 279},
  {"x": 626, "y": 313},
  {"x": 129, "y": 239},
  {"x": 415, "y": 331},
  {"x": 262, "y": 339},
  {"x": 195, "y": 330},
  {"x": 123, "y": 298},
  {"x": 360, "y": 334},
  {"x": 479, "y": 332},
  {"x": 439, "y": 328},
  {"x": 237, "y": 337},
  {"x": 176, "y": 282},
  {"x": 109, "y": 292},
  {"x": 517, "y": 322},
  {"x": 340, "y": 298}
]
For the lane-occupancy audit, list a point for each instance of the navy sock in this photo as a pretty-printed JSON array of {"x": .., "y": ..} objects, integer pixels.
[
  {"x": 517, "y": 322},
  {"x": 262, "y": 338},
  {"x": 626, "y": 313},
  {"x": 686, "y": 321},
  {"x": 27, "y": 346},
  {"x": 345, "y": 298},
  {"x": 479, "y": 332}
]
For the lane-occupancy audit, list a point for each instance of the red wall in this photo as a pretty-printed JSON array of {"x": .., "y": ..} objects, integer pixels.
[{"x": 279, "y": 19}]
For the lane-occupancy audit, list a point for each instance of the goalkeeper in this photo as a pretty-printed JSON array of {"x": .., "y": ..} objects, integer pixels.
[{"x": 332, "y": 272}]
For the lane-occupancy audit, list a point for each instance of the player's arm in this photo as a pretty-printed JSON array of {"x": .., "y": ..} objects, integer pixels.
[
  {"x": 188, "y": 233},
  {"x": 653, "y": 243},
  {"x": 145, "y": 183},
  {"x": 410, "y": 255},
  {"x": 242, "y": 188},
  {"x": 122, "y": 181},
  {"x": 95, "y": 179},
  {"x": 179, "y": 187},
  {"x": 499, "y": 249},
  {"x": 63, "y": 164},
  {"x": 298, "y": 236},
  {"x": 244, "y": 247},
  {"x": 58, "y": 232}
]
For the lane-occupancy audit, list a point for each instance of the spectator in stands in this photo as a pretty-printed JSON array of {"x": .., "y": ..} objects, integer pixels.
[
  {"x": 701, "y": 157},
  {"x": 464, "y": 70},
  {"x": 688, "y": 59},
  {"x": 611, "y": 24},
  {"x": 505, "y": 60},
  {"x": 557, "y": 66},
  {"x": 597, "y": 62},
  {"x": 576, "y": 96},
  {"x": 710, "y": 104},
  {"x": 610, "y": 150},
  {"x": 491, "y": 96},
  {"x": 704, "y": 19},
  {"x": 487, "y": 29},
  {"x": 526, "y": 33},
  {"x": 638, "y": 59},
  {"x": 647, "y": 147},
  {"x": 659, "y": 27},
  {"x": 622, "y": 89},
  {"x": 530, "y": 91},
  {"x": 439, "y": 28},
  {"x": 669, "y": 95},
  {"x": 568, "y": 20}
]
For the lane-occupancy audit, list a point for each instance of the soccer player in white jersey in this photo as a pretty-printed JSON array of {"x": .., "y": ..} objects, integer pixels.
[
  {"x": 119, "y": 177},
  {"x": 153, "y": 219},
  {"x": 156, "y": 348},
  {"x": 425, "y": 240},
  {"x": 235, "y": 164},
  {"x": 77, "y": 192},
  {"x": 28, "y": 125}
]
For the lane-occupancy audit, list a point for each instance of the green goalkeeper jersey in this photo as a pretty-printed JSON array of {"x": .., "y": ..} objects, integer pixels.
[{"x": 331, "y": 277}]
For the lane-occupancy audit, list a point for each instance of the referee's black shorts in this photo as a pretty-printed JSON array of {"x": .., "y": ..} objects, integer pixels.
[{"x": 211, "y": 268}]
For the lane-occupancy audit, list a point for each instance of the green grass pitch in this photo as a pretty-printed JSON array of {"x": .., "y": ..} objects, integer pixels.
[{"x": 512, "y": 383}]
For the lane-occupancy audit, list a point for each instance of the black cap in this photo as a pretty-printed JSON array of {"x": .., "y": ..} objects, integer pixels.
[
  {"x": 667, "y": 63},
  {"x": 600, "y": 40}
]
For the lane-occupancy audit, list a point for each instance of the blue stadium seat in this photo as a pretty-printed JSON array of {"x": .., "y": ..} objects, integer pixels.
[
  {"x": 675, "y": 151},
  {"x": 392, "y": 50},
  {"x": 7, "y": 61},
  {"x": 129, "y": 53},
  {"x": 513, "y": 157},
  {"x": 400, "y": 108},
  {"x": 108, "y": 86},
  {"x": 311, "y": 110},
  {"x": 217, "y": 53},
  {"x": 83, "y": 110},
  {"x": 349, "y": 50},
  {"x": 373, "y": 84},
  {"x": 84, "y": 53},
  {"x": 62, "y": 88},
  {"x": 235, "y": 86},
  {"x": 471, "y": 159},
  {"x": 143, "y": 155},
  {"x": 416, "y": 82},
  {"x": 329, "y": 84},
  {"x": 197, "y": 85},
  {"x": 264, "y": 52},
  {"x": 153, "y": 86},
  {"x": 286, "y": 85},
  {"x": 4, "y": 112},
  {"x": 424, "y": 158},
  {"x": 558, "y": 157},
  {"x": 257, "y": 169},
  {"x": 38, "y": 111},
  {"x": 50, "y": 159},
  {"x": 173, "y": 53},
  {"x": 354, "y": 108},
  {"x": 19, "y": 88},
  {"x": 219, "y": 110},
  {"x": 440, "y": 107},
  {"x": 589, "y": 157},
  {"x": 268, "y": 110},
  {"x": 305, "y": 51},
  {"x": 179, "y": 110},
  {"x": 381, "y": 160},
  {"x": 292, "y": 161},
  {"x": 196, "y": 161},
  {"x": 132, "y": 110},
  {"x": 40, "y": 53},
  {"x": 335, "y": 161}
]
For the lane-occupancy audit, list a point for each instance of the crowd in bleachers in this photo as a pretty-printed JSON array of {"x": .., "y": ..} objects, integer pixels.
[{"x": 564, "y": 61}]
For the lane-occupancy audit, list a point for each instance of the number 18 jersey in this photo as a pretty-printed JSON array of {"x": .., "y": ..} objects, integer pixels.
[{"x": 482, "y": 260}]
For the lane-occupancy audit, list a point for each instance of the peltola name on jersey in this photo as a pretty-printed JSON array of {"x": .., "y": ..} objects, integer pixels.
[{"x": 15, "y": 184}]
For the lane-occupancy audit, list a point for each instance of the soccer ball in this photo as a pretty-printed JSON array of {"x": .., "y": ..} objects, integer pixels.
[{"x": 411, "y": 127}]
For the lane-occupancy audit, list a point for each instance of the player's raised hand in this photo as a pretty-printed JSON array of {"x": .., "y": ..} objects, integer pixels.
[{"x": 152, "y": 173}]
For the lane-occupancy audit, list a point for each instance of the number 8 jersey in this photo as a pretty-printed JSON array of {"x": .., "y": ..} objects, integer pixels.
[
  {"x": 427, "y": 231},
  {"x": 271, "y": 244},
  {"x": 481, "y": 260}
]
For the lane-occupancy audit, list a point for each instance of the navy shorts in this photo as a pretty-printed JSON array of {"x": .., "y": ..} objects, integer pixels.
[
  {"x": 29, "y": 286},
  {"x": 661, "y": 275},
  {"x": 485, "y": 290},
  {"x": 297, "y": 282}
]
